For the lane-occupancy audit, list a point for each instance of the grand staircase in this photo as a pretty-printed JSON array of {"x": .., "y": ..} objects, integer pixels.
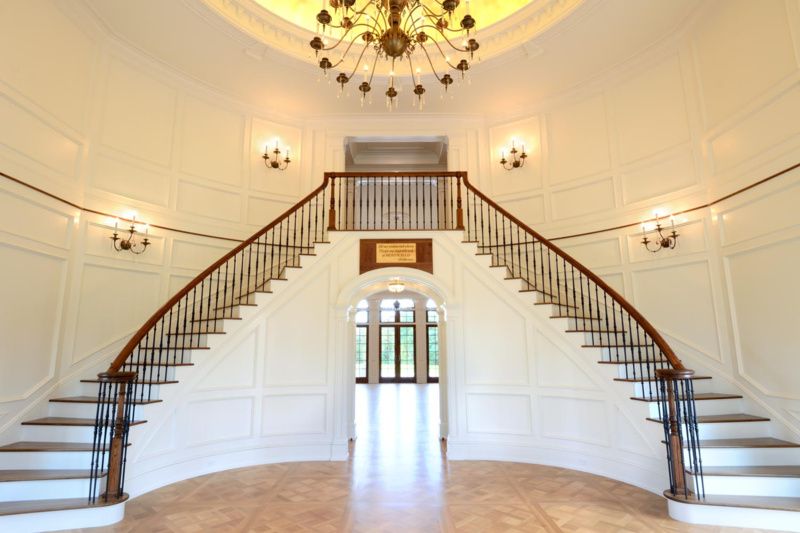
[{"x": 718, "y": 455}]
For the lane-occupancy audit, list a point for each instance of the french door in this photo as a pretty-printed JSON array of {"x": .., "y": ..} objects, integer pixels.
[{"x": 398, "y": 354}]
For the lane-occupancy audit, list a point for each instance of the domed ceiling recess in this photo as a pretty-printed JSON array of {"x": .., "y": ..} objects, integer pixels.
[{"x": 288, "y": 27}]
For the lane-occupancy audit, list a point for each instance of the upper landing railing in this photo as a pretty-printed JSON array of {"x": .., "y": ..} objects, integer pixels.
[{"x": 381, "y": 202}]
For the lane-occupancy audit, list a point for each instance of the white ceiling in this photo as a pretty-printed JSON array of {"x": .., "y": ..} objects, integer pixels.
[{"x": 191, "y": 38}]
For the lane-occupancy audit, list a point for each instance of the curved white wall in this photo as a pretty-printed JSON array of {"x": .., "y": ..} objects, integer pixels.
[
  {"x": 698, "y": 116},
  {"x": 703, "y": 114}
]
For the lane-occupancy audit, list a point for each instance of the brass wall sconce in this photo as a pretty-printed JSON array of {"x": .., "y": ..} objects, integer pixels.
[
  {"x": 274, "y": 160},
  {"x": 129, "y": 243},
  {"x": 516, "y": 161},
  {"x": 661, "y": 240}
]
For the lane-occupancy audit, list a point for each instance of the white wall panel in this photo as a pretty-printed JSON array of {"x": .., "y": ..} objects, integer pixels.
[
  {"x": 584, "y": 199},
  {"x": 554, "y": 369},
  {"x": 113, "y": 302},
  {"x": 665, "y": 294},
  {"x": 237, "y": 368},
  {"x": 198, "y": 255},
  {"x": 575, "y": 419},
  {"x": 284, "y": 182},
  {"x": 765, "y": 292},
  {"x": 211, "y": 142},
  {"x": 31, "y": 288},
  {"x": 731, "y": 45},
  {"x": 616, "y": 281},
  {"x": 762, "y": 216},
  {"x": 529, "y": 177},
  {"x": 529, "y": 210},
  {"x": 491, "y": 358},
  {"x": 508, "y": 414},
  {"x": 652, "y": 102},
  {"x": 31, "y": 220},
  {"x": 597, "y": 253},
  {"x": 57, "y": 50},
  {"x": 262, "y": 211},
  {"x": 294, "y": 356},
  {"x": 293, "y": 414},
  {"x": 115, "y": 175},
  {"x": 760, "y": 131},
  {"x": 578, "y": 140},
  {"x": 668, "y": 175},
  {"x": 30, "y": 136},
  {"x": 209, "y": 202},
  {"x": 139, "y": 114},
  {"x": 222, "y": 420}
]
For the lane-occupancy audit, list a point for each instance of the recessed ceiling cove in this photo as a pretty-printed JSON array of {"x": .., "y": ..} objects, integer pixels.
[{"x": 289, "y": 26}]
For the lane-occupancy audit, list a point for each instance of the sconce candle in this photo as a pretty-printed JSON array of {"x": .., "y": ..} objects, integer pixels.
[
  {"x": 669, "y": 241},
  {"x": 516, "y": 161},
  {"x": 129, "y": 243},
  {"x": 274, "y": 161}
]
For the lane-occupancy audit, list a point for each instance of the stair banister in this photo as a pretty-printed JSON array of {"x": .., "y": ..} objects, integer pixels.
[{"x": 674, "y": 361}]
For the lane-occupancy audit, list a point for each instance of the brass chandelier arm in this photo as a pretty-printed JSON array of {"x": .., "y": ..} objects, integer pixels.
[
  {"x": 444, "y": 56},
  {"x": 344, "y": 54},
  {"x": 433, "y": 69},
  {"x": 358, "y": 61},
  {"x": 372, "y": 71},
  {"x": 456, "y": 48}
]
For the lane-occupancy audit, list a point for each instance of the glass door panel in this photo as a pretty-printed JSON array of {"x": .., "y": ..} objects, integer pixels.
[
  {"x": 407, "y": 367},
  {"x": 388, "y": 353}
]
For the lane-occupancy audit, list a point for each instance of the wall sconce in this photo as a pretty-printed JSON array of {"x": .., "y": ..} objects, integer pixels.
[
  {"x": 396, "y": 286},
  {"x": 274, "y": 161},
  {"x": 662, "y": 241},
  {"x": 516, "y": 161},
  {"x": 129, "y": 244}
]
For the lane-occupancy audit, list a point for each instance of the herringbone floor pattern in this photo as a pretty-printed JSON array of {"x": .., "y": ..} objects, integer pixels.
[{"x": 397, "y": 481}]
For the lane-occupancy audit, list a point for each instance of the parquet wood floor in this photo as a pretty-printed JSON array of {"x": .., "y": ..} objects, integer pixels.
[{"x": 397, "y": 480}]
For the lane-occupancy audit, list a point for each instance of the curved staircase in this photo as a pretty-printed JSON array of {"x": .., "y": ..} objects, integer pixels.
[{"x": 720, "y": 459}]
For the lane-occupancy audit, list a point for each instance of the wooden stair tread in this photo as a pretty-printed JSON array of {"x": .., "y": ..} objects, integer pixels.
[
  {"x": 653, "y": 378},
  {"x": 574, "y": 317},
  {"x": 35, "y": 446},
  {"x": 42, "y": 506},
  {"x": 698, "y": 396},
  {"x": 68, "y": 421},
  {"x": 603, "y": 345},
  {"x": 720, "y": 419},
  {"x": 755, "y": 471},
  {"x": 629, "y": 362},
  {"x": 750, "y": 442},
  {"x": 155, "y": 363},
  {"x": 44, "y": 475},
  {"x": 171, "y": 348},
  {"x": 93, "y": 399},
  {"x": 138, "y": 382},
  {"x": 618, "y": 332},
  {"x": 776, "y": 503},
  {"x": 557, "y": 304},
  {"x": 215, "y": 319},
  {"x": 190, "y": 333}
]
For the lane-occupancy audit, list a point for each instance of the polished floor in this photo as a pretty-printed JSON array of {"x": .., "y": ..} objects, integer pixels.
[{"x": 397, "y": 480}]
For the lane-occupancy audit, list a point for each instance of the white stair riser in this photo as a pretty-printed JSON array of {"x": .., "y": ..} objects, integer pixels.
[
  {"x": 87, "y": 410},
  {"x": 707, "y": 407},
  {"x": 749, "y": 456},
  {"x": 645, "y": 388},
  {"x": 64, "y": 433},
  {"x": 752, "y": 485},
  {"x": 45, "y": 489},
  {"x": 631, "y": 371},
  {"x": 733, "y": 430},
  {"x": 44, "y": 460}
]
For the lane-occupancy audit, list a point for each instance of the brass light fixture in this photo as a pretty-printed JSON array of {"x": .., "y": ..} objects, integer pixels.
[
  {"x": 129, "y": 243},
  {"x": 396, "y": 286},
  {"x": 662, "y": 241},
  {"x": 516, "y": 161},
  {"x": 274, "y": 160},
  {"x": 394, "y": 30}
]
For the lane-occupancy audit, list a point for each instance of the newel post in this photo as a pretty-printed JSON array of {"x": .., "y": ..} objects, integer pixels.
[
  {"x": 459, "y": 211},
  {"x": 117, "y": 387},
  {"x": 674, "y": 420},
  {"x": 332, "y": 211}
]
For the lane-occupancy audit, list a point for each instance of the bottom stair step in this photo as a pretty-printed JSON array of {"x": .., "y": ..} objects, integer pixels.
[
  {"x": 775, "y": 503},
  {"x": 42, "y": 506},
  {"x": 720, "y": 419},
  {"x": 757, "y": 442},
  {"x": 43, "y": 475},
  {"x": 698, "y": 396},
  {"x": 68, "y": 421},
  {"x": 752, "y": 471}
]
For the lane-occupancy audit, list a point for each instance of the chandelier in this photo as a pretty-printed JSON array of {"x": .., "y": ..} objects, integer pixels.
[{"x": 421, "y": 33}]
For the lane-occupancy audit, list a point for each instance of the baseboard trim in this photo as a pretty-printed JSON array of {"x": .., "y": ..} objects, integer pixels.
[{"x": 742, "y": 517}]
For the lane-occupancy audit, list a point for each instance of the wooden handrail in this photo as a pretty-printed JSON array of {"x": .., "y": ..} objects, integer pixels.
[
  {"x": 631, "y": 310},
  {"x": 142, "y": 332}
]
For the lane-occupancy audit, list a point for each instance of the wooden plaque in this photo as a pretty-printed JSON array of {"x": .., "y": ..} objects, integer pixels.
[{"x": 411, "y": 253}]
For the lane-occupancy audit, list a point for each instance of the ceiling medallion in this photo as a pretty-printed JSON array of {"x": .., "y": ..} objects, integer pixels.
[{"x": 399, "y": 31}]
